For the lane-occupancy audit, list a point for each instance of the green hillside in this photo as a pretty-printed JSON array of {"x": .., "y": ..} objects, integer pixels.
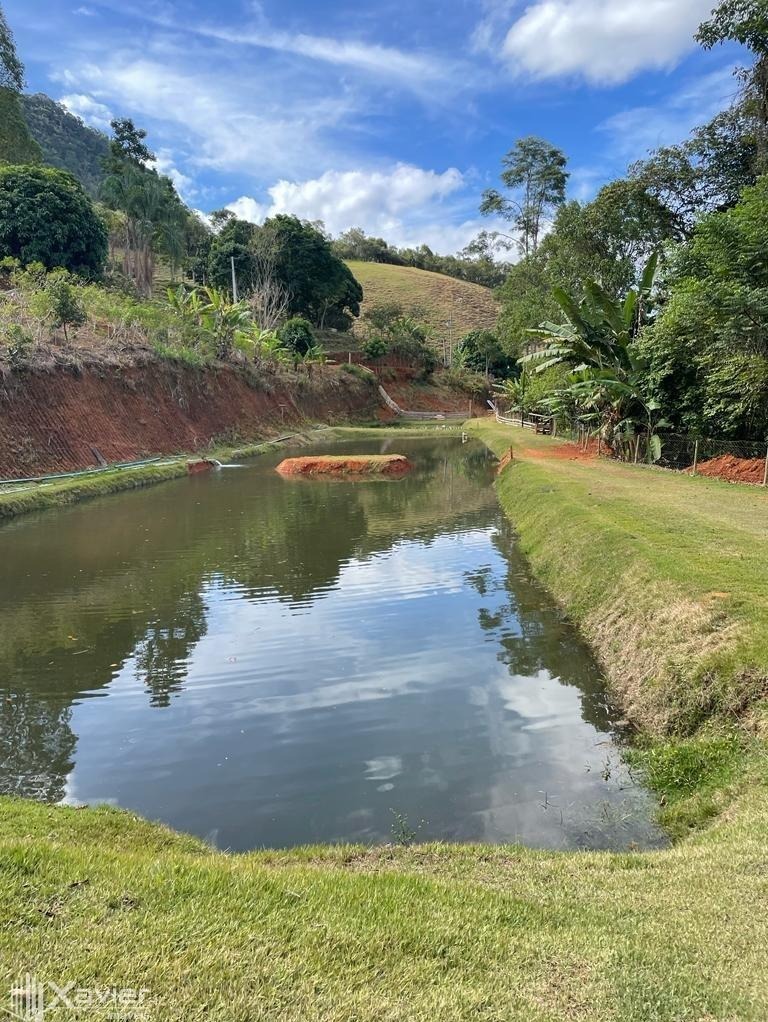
[
  {"x": 65, "y": 141},
  {"x": 451, "y": 307}
]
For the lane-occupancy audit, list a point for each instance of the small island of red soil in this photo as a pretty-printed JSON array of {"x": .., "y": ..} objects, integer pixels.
[{"x": 344, "y": 465}]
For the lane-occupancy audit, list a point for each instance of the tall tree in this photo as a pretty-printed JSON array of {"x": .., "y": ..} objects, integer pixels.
[
  {"x": 16, "y": 144},
  {"x": 705, "y": 173},
  {"x": 154, "y": 215},
  {"x": 745, "y": 22},
  {"x": 11, "y": 68},
  {"x": 534, "y": 175}
]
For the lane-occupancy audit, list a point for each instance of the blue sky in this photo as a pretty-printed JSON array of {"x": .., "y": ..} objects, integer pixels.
[{"x": 391, "y": 115}]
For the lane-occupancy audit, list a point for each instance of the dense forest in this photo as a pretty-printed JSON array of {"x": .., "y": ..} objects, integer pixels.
[{"x": 66, "y": 142}]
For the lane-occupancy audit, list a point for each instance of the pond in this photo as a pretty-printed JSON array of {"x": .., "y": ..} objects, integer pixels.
[{"x": 266, "y": 661}]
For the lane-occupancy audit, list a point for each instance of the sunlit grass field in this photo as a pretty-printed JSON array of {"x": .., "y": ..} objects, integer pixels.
[{"x": 450, "y": 307}]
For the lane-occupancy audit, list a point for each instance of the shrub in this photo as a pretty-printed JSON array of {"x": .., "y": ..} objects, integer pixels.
[
  {"x": 297, "y": 334},
  {"x": 375, "y": 347},
  {"x": 46, "y": 217},
  {"x": 67, "y": 308},
  {"x": 359, "y": 372},
  {"x": 472, "y": 384}
]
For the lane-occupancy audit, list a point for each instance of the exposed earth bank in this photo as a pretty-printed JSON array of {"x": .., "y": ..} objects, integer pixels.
[{"x": 63, "y": 420}]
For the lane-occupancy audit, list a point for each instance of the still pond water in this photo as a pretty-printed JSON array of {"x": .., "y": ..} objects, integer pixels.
[{"x": 266, "y": 662}]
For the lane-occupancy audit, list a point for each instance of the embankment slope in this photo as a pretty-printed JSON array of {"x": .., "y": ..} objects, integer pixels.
[
  {"x": 56, "y": 421},
  {"x": 667, "y": 575}
]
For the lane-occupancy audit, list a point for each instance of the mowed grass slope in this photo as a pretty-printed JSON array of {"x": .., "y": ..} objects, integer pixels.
[
  {"x": 667, "y": 577},
  {"x": 439, "y": 297},
  {"x": 668, "y": 574},
  {"x": 98, "y": 898}
]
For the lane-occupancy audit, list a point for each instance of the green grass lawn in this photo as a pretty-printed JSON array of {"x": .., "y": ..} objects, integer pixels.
[
  {"x": 667, "y": 576},
  {"x": 99, "y": 898}
]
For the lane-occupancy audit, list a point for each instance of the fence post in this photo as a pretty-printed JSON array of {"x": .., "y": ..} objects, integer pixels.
[
  {"x": 765, "y": 474},
  {"x": 637, "y": 448},
  {"x": 696, "y": 456},
  {"x": 598, "y": 444}
]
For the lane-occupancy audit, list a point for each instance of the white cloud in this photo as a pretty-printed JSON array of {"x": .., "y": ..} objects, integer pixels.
[
  {"x": 164, "y": 164},
  {"x": 405, "y": 205},
  {"x": 604, "y": 41},
  {"x": 88, "y": 109}
]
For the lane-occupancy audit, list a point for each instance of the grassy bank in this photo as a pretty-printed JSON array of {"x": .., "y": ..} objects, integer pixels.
[
  {"x": 667, "y": 577},
  {"x": 97, "y": 897}
]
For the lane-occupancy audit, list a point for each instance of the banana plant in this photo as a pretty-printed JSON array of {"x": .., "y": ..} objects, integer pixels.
[
  {"x": 224, "y": 320},
  {"x": 607, "y": 380}
]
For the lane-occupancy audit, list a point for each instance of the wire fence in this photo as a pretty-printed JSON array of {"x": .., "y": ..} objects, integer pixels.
[{"x": 743, "y": 461}]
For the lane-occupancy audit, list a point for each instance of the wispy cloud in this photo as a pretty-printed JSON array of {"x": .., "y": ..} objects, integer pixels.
[
  {"x": 402, "y": 69},
  {"x": 229, "y": 122},
  {"x": 637, "y": 130}
]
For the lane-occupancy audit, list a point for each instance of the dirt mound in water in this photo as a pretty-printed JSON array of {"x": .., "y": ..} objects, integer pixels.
[
  {"x": 737, "y": 470},
  {"x": 343, "y": 465}
]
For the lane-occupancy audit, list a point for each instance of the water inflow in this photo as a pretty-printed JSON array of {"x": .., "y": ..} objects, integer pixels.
[{"x": 266, "y": 661}]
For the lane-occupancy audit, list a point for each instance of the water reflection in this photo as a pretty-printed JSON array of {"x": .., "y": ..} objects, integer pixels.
[{"x": 279, "y": 662}]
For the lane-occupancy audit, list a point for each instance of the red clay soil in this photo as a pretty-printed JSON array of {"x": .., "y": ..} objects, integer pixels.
[
  {"x": 563, "y": 452},
  {"x": 342, "y": 465},
  {"x": 56, "y": 421},
  {"x": 737, "y": 470}
]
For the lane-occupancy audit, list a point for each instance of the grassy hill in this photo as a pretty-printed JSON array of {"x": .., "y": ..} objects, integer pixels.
[{"x": 442, "y": 299}]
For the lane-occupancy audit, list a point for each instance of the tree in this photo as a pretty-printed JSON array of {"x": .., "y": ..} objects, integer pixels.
[
  {"x": 609, "y": 239},
  {"x": 155, "y": 217},
  {"x": 608, "y": 379},
  {"x": 356, "y": 244},
  {"x": 708, "y": 349},
  {"x": 534, "y": 172},
  {"x": 706, "y": 172},
  {"x": 16, "y": 144},
  {"x": 11, "y": 68},
  {"x": 481, "y": 351},
  {"x": 319, "y": 285},
  {"x": 128, "y": 145},
  {"x": 66, "y": 307},
  {"x": 526, "y": 299},
  {"x": 297, "y": 335},
  {"x": 45, "y": 216},
  {"x": 234, "y": 240},
  {"x": 745, "y": 22}
]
